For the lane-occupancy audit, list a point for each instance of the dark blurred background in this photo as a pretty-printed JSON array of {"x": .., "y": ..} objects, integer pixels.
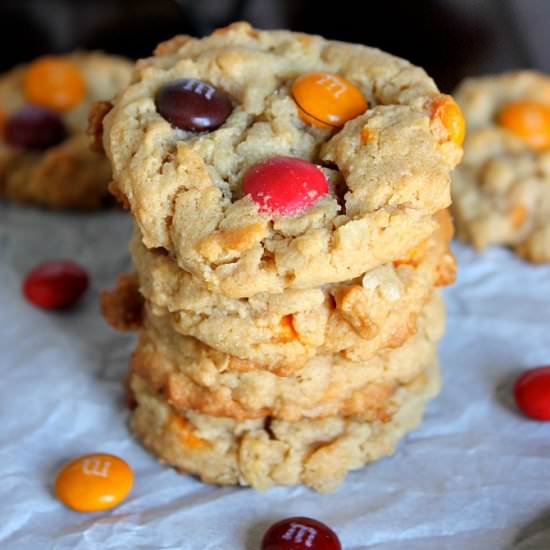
[{"x": 449, "y": 38}]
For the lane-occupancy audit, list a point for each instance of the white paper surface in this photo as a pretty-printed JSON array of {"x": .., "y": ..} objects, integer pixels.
[{"x": 476, "y": 475}]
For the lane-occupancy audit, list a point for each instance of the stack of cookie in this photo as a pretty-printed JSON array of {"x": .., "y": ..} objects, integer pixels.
[
  {"x": 45, "y": 157},
  {"x": 289, "y": 199}
]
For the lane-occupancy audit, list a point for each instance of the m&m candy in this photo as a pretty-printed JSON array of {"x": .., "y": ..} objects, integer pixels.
[
  {"x": 34, "y": 128},
  {"x": 532, "y": 393},
  {"x": 193, "y": 105},
  {"x": 529, "y": 120},
  {"x": 285, "y": 185},
  {"x": 55, "y": 284},
  {"x": 54, "y": 82},
  {"x": 94, "y": 482},
  {"x": 327, "y": 100},
  {"x": 448, "y": 112},
  {"x": 300, "y": 533}
]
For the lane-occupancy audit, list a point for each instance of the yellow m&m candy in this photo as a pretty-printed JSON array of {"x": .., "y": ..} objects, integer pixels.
[
  {"x": 95, "y": 482},
  {"x": 448, "y": 112},
  {"x": 327, "y": 100},
  {"x": 54, "y": 82},
  {"x": 529, "y": 120}
]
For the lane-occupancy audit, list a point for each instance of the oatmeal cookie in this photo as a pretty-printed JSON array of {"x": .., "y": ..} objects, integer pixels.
[
  {"x": 267, "y": 451},
  {"x": 207, "y": 189},
  {"x": 501, "y": 191},
  {"x": 355, "y": 318},
  {"x": 192, "y": 376},
  {"x": 45, "y": 157}
]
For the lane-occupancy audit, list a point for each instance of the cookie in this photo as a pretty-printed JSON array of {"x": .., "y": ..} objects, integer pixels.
[
  {"x": 501, "y": 191},
  {"x": 45, "y": 155},
  {"x": 377, "y": 160},
  {"x": 283, "y": 330},
  {"x": 265, "y": 451},
  {"x": 192, "y": 376},
  {"x": 289, "y": 196}
]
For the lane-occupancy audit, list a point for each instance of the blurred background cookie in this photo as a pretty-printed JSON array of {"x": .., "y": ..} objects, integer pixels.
[
  {"x": 501, "y": 191},
  {"x": 45, "y": 155}
]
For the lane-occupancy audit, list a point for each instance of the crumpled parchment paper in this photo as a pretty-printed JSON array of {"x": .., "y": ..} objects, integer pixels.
[{"x": 476, "y": 475}]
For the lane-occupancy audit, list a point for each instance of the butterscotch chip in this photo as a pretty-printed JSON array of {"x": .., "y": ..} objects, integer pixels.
[
  {"x": 69, "y": 174},
  {"x": 184, "y": 188}
]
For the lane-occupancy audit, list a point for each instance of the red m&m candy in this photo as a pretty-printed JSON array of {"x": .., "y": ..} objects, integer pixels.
[
  {"x": 532, "y": 393},
  {"x": 285, "y": 185},
  {"x": 55, "y": 284},
  {"x": 300, "y": 533},
  {"x": 193, "y": 105}
]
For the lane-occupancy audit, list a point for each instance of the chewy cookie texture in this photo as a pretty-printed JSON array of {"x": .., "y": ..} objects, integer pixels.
[
  {"x": 264, "y": 452},
  {"x": 501, "y": 191},
  {"x": 281, "y": 331},
  {"x": 289, "y": 195},
  {"x": 45, "y": 157},
  {"x": 192, "y": 375}
]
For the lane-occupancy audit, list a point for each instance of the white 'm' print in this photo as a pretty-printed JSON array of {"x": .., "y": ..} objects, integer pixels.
[
  {"x": 201, "y": 88},
  {"x": 332, "y": 84},
  {"x": 96, "y": 467},
  {"x": 297, "y": 531}
]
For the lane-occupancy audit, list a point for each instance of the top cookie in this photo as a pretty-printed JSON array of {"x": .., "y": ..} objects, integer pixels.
[
  {"x": 501, "y": 191},
  {"x": 45, "y": 156},
  {"x": 384, "y": 136}
]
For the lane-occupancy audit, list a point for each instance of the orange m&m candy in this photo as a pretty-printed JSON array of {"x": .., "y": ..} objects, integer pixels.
[
  {"x": 529, "y": 120},
  {"x": 327, "y": 100},
  {"x": 448, "y": 112},
  {"x": 54, "y": 82},
  {"x": 95, "y": 482}
]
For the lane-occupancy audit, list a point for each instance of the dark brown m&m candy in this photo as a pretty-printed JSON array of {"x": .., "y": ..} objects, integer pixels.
[
  {"x": 193, "y": 105},
  {"x": 34, "y": 128},
  {"x": 300, "y": 533}
]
